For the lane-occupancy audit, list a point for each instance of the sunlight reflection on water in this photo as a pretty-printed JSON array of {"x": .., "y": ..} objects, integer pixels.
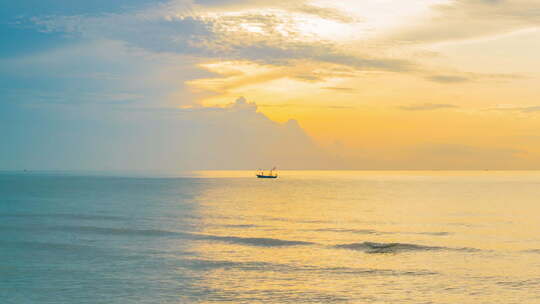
[{"x": 308, "y": 236}]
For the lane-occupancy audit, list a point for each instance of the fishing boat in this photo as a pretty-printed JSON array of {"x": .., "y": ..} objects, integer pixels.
[{"x": 270, "y": 174}]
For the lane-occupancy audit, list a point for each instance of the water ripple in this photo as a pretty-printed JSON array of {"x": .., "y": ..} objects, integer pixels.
[
  {"x": 372, "y": 247},
  {"x": 253, "y": 241}
]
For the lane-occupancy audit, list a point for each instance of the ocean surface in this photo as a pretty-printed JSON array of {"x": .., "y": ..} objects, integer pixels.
[{"x": 306, "y": 237}]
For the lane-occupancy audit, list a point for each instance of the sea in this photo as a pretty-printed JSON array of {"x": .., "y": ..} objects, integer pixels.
[{"x": 305, "y": 237}]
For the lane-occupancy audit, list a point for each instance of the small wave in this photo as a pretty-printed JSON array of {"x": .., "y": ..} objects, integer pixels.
[
  {"x": 537, "y": 251},
  {"x": 240, "y": 226},
  {"x": 263, "y": 242},
  {"x": 63, "y": 216},
  {"x": 379, "y": 272},
  {"x": 45, "y": 245},
  {"x": 377, "y": 232},
  {"x": 253, "y": 241},
  {"x": 531, "y": 283},
  {"x": 441, "y": 233},
  {"x": 199, "y": 264},
  {"x": 221, "y": 264},
  {"x": 372, "y": 247},
  {"x": 290, "y": 268},
  {"x": 117, "y": 231},
  {"x": 356, "y": 231}
]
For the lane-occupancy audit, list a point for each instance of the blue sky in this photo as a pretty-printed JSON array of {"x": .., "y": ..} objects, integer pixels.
[{"x": 20, "y": 38}]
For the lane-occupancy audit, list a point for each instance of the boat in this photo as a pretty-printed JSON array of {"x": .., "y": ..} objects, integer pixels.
[{"x": 270, "y": 174}]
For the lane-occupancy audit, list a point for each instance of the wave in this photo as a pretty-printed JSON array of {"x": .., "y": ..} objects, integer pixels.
[
  {"x": 531, "y": 251},
  {"x": 377, "y": 232},
  {"x": 530, "y": 283},
  {"x": 289, "y": 268},
  {"x": 263, "y": 242},
  {"x": 45, "y": 245},
  {"x": 356, "y": 231},
  {"x": 240, "y": 226},
  {"x": 378, "y": 272},
  {"x": 63, "y": 216},
  {"x": 117, "y": 231},
  {"x": 199, "y": 264},
  {"x": 441, "y": 233},
  {"x": 253, "y": 241},
  {"x": 372, "y": 247}
]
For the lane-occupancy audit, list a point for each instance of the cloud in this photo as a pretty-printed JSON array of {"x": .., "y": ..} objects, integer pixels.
[
  {"x": 448, "y": 78},
  {"x": 295, "y": 105},
  {"x": 96, "y": 72},
  {"x": 428, "y": 107},
  {"x": 271, "y": 36},
  {"x": 340, "y": 89},
  {"x": 461, "y": 78},
  {"x": 326, "y": 13},
  {"x": 470, "y": 19},
  {"x": 299, "y": 6},
  {"x": 235, "y": 136},
  {"x": 237, "y": 4},
  {"x": 529, "y": 109}
]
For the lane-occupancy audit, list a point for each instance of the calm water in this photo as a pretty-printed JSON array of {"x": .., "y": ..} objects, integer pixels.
[{"x": 307, "y": 237}]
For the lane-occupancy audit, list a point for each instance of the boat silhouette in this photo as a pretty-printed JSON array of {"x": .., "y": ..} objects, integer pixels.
[{"x": 270, "y": 174}]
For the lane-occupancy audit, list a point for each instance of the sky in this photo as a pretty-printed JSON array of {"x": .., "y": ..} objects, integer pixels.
[{"x": 248, "y": 84}]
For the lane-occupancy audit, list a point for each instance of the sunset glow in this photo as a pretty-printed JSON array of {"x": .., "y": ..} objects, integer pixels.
[
  {"x": 270, "y": 151},
  {"x": 377, "y": 84}
]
